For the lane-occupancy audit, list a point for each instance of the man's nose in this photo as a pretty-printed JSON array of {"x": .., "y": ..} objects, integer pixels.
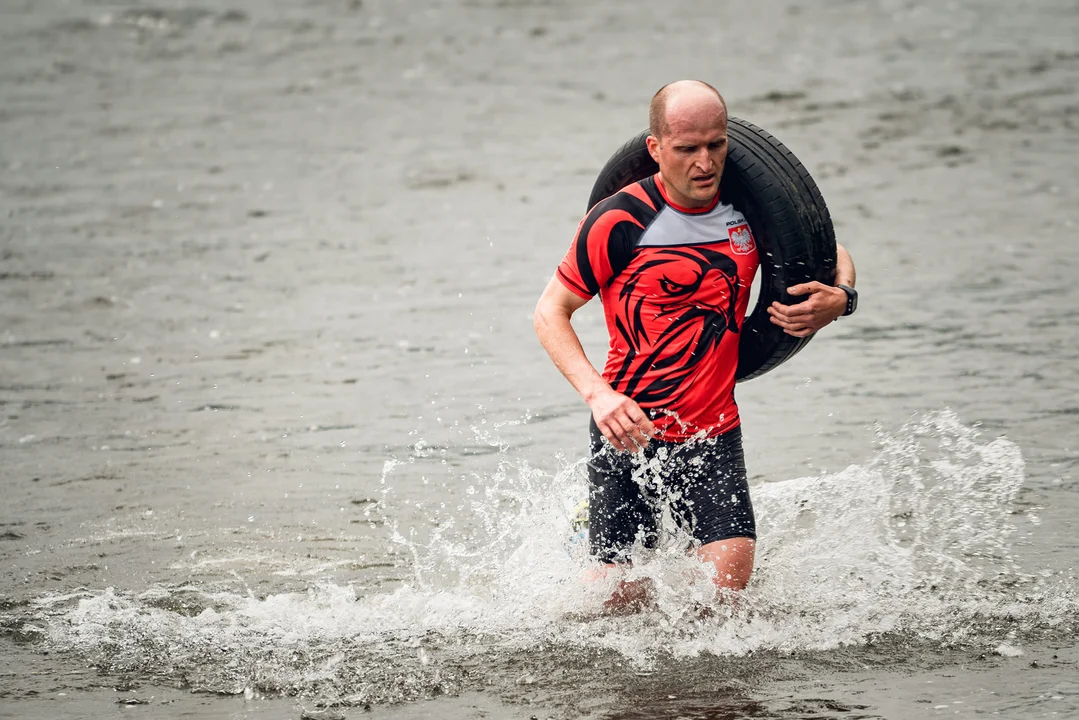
[{"x": 704, "y": 159}]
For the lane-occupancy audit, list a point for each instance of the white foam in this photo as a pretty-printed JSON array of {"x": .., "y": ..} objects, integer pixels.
[{"x": 915, "y": 543}]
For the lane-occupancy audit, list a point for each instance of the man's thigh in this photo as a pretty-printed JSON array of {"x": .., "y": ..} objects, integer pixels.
[
  {"x": 619, "y": 513},
  {"x": 709, "y": 491}
]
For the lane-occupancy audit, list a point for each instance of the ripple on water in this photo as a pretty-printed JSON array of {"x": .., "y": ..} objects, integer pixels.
[{"x": 908, "y": 556}]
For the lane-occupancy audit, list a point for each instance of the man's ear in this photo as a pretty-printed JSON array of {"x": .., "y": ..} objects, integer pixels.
[{"x": 653, "y": 147}]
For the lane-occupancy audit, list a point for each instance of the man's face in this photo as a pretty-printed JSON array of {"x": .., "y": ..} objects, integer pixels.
[{"x": 691, "y": 154}]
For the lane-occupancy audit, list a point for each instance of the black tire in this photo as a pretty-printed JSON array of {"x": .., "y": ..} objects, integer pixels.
[{"x": 790, "y": 222}]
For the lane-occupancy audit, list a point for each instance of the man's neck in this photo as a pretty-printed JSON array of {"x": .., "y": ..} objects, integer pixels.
[{"x": 684, "y": 204}]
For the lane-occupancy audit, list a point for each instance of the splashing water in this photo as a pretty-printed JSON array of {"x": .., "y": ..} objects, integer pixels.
[{"x": 913, "y": 545}]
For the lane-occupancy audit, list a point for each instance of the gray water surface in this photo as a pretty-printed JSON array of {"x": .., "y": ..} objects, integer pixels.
[{"x": 276, "y": 433}]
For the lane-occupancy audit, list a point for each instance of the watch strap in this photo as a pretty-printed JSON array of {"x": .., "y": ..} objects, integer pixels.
[{"x": 852, "y": 299}]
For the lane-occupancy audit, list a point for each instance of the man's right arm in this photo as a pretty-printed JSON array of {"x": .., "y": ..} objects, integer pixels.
[{"x": 618, "y": 417}]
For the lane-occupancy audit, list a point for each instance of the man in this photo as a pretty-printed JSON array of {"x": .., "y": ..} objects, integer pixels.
[{"x": 674, "y": 283}]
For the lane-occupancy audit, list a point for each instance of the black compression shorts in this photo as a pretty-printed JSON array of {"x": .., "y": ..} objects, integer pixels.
[{"x": 703, "y": 482}]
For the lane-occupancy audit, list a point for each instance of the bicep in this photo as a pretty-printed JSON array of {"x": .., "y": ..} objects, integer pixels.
[{"x": 559, "y": 299}]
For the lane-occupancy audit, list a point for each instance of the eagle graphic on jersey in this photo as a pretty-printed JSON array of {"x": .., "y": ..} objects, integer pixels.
[
  {"x": 674, "y": 283},
  {"x": 687, "y": 333}
]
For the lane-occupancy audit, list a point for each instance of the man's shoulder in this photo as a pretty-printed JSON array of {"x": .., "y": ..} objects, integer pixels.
[{"x": 641, "y": 199}]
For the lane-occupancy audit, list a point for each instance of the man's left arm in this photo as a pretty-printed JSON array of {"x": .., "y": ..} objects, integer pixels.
[{"x": 824, "y": 304}]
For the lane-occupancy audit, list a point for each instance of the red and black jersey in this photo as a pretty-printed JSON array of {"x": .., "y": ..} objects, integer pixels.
[{"x": 675, "y": 285}]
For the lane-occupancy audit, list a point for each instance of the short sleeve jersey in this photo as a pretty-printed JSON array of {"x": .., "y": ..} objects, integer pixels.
[{"x": 675, "y": 286}]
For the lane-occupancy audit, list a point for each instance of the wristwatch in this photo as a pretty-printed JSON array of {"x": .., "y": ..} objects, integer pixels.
[{"x": 852, "y": 299}]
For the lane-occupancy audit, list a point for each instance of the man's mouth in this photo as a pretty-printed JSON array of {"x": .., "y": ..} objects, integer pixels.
[{"x": 704, "y": 179}]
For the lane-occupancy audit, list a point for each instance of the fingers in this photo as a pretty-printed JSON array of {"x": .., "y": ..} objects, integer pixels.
[
  {"x": 801, "y": 319},
  {"x": 627, "y": 428},
  {"x": 640, "y": 419},
  {"x": 636, "y": 431},
  {"x": 614, "y": 441},
  {"x": 800, "y": 314},
  {"x": 794, "y": 321},
  {"x": 626, "y": 435},
  {"x": 801, "y": 331},
  {"x": 614, "y": 434},
  {"x": 806, "y": 288},
  {"x": 823, "y": 305},
  {"x": 801, "y": 311},
  {"x": 796, "y": 330}
]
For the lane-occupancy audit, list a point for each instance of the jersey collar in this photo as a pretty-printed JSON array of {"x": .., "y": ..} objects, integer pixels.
[{"x": 688, "y": 211}]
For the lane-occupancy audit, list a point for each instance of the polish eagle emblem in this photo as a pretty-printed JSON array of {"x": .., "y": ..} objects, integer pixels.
[{"x": 741, "y": 239}]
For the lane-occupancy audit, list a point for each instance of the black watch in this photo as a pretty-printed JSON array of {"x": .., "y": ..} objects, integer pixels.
[{"x": 852, "y": 299}]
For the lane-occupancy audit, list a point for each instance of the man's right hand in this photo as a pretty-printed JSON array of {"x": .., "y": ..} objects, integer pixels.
[{"x": 622, "y": 421}]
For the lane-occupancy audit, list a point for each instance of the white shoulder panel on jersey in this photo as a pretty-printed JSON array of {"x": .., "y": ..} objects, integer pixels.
[{"x": 671, "y": 228}]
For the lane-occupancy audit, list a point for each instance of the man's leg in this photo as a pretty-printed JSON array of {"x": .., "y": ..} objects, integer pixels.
[
  {"x": 629, "y": 596},
  {"x": 618, "y": 517},
  {"x": 710, "y": 498},
  {"x": 733, "y": 560}
]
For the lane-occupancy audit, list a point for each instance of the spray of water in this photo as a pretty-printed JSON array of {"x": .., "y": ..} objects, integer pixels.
[{"x": 913, "y": 545}]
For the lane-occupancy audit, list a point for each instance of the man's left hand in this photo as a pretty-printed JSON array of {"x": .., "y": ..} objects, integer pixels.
[{"x": 824, "y": 304}]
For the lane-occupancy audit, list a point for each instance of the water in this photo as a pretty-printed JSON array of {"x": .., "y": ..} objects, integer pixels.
[
  {"x": 277, "y": 437},
  {"x": 918, "y": 572}
]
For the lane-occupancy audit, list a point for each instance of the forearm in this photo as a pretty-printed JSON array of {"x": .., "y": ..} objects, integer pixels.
[
  {"x": 844, "y": 267},
  {"x": 559, "y": 339}
]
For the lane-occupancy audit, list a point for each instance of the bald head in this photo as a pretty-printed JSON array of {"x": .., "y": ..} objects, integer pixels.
[{"x": 682, "y": 95}]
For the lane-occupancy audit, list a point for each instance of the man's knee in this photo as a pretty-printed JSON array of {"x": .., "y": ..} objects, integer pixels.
[{"x": 733, "y": 561}]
